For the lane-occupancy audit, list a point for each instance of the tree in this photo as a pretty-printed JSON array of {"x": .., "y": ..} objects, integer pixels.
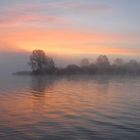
[
  {"x": 102, "y": 61},
  {"x": 118, "y": 66},
  {"x": 118, "y": 62},
  {"x": 132, "y": 67},
  {"x": 50, "y": 65},
  {"x": 103, "y": 64},
  {"x": 84, "y": 62},
  {"x": 72, "y": 69},
  {"x": 39, "y": 62}
]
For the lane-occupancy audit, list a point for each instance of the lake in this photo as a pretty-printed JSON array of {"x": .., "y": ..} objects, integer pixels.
[{"x": 70, "y": 108}]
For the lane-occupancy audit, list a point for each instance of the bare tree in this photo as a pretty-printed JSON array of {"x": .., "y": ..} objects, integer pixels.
[
  {"x": 132, "y": 66},
  {"x": 39, "y": 62},
  {"x": 84, "y": 62},
  {"x": 118, "y": 66},
  {"x": 102, "y": 64},
  {"x": 102, "y": 61},
  {"x": 118, "y": 62}
]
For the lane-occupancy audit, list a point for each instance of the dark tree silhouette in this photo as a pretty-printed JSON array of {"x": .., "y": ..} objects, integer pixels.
[
  {"x": 84, "y": 62},
  {"x": 132, "y": 67},
  {"x": 50, "y": 65},
  {"x": 118, "y": 66},
  {"x": 102, "y": 61},
  {"x": 102, "y": 64},
  {"x": 118, "y": 62},
  {"x": 72, "y": 69},
  {"x": 40, "y": 63}
]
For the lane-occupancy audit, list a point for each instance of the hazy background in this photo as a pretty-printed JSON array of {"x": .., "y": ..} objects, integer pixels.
[{"x": 67, "y": 30}]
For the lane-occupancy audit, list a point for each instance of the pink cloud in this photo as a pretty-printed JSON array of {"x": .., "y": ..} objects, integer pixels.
[
  {"x": 86, "y": 7},
  {"x": 54, "y": 6},
  {"x": 13, "y": 18},
  {"x": 17, "y": 17},
  {"x": 27, "y": 13}
]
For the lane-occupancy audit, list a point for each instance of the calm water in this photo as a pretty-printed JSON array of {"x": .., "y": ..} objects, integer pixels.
[{"x": 69, "y": 108}]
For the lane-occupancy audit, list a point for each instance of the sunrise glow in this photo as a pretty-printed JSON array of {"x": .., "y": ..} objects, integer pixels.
[{"x": 69, "y": 28}]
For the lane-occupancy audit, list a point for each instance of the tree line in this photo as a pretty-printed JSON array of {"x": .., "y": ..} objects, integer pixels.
[{"x": 40, "y": 63}]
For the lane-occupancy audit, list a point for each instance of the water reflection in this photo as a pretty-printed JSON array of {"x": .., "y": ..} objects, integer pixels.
[
  {"x": 100, "y": 83},
  {"x": 41, "y": 84},
  {"x": 41, "y": 88},
  {"x": 70, "y": 107}
]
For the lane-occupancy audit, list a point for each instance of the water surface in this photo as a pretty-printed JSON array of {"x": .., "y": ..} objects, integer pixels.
[{"x": 69, "y": 108}]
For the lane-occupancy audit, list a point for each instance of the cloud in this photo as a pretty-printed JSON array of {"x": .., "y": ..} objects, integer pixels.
[
  {"x": 20, "y": 14},
  {"x": 54, "y": 7},
  {"x": 53, "y": 12},
  {"x": 11, "y": 19},
  {"x": 14, "y": 19},
  {"x": 69, "y": 41},
  {"x": 6, "y": 47},
  {"x": 57, "y": 39},
  {"x": 84, "y": 8}
]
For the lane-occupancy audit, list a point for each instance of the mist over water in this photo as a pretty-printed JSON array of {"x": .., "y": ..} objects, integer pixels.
[
  {"x": 11, "y": 62},
  {"x": 70, "y": 107},
  {"x": 69, "y": 70}
]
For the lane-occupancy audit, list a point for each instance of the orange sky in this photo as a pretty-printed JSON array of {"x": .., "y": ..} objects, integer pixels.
[
  {"x": 66, "y": 41},
  {"x": 93, "y": 28}
]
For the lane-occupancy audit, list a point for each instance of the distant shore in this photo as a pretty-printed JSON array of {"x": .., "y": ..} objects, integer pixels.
[
  {"x": 41, "y": 64},
  {"x": 65, "y": 73}
]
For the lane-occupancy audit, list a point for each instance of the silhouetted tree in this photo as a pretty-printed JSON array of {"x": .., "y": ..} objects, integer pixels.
[
  {"x": 72, "y": 69},
  {"x": 50, "y": 65},
  {"x": 92, "y": 68},
  {"x": 132, "y": 67},
  {"x": 84, "y": 62},
  {"x": 40, "y": 63},
  {"x": 84, "y": 66},
  {"x": 102, "y": 61},
  {"x": 118, "y": 66},
  {"x": 102, "y": 64},
  {"x": 118, "y": 62}
]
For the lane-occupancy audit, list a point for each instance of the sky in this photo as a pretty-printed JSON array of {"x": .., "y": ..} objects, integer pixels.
[{"x": 68, "y": 29}]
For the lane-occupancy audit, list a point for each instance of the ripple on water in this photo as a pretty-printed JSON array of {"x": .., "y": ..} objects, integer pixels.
[{"x": 70, "y": 108}]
